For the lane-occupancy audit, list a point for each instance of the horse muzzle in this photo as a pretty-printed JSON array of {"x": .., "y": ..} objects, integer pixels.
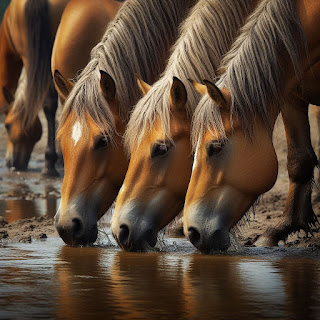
[
  {"x": 131, "y": 239},
  {"x": 18, "y": 161},
  {"x": 134, "y": 229},
  {"x": 208, "y": 231},
  {"x": 209, "y": 241},
  {"x": 74, "y": 232}
]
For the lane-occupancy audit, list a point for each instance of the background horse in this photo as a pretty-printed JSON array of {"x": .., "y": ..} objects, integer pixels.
[
  {"x": 26, "y": 37},
  {"x": 158, "y": 133},
  {"x": 232, "y": 127},
  {"x": 96, "y": 112}
]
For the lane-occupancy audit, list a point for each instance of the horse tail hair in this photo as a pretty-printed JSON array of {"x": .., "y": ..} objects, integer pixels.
[{"x": 39, "y": 50}]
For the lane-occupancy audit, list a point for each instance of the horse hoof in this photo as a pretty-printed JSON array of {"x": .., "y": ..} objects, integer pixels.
[
  {"x": 264, "y": 241},
  {"x": 49, "y": 172}
]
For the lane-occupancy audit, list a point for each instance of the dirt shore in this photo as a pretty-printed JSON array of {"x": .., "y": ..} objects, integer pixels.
[{"x": 30, "y": 187}]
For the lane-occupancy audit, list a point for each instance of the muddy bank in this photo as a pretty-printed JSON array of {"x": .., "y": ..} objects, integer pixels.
[{"x": 26, "y": 230}]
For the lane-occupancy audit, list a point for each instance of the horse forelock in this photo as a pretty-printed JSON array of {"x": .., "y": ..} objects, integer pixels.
[
  {"x": 207, "y": 116},
  {"x": 253, "y": 73},
  {"x": 135, "y": 42},
  {"x": 86, "y": 99},
  {"x": 205, "y": 36}
]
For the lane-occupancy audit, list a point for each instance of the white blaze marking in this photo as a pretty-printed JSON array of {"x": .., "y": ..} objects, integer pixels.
[
  {"x": 76, "y": 132},
  {"x": 195, "y": 159}
]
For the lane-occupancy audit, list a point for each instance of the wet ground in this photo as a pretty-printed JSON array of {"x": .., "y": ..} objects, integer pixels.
[{"x": 46, "y": 279}]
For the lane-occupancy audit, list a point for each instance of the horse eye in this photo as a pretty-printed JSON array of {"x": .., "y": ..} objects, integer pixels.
[
  {"x": 159, "y": 149},
  {"x": 101, "y": 142},
  {"x": 214, "y": 148}
]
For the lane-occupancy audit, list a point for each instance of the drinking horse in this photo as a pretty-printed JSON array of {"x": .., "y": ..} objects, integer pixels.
[
  {"x": 158, "y": 133},
  {"x": 26, "y": 37},
  {"x": 273, "y": 67},
  {"x": 97, "y": 109}
]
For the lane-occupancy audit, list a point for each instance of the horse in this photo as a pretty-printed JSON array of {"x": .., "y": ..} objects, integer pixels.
[
  {"x": 79, "y": 32},
  {"x": 272, "y": 68},
  {"x": 26, "y": 36},
  {"x": 158, "y": 133},
  {"x": 97, "y": 108}
]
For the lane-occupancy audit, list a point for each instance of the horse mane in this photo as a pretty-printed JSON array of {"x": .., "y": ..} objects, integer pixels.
[
  {"x": 205, "y": 36},
  {"x": 39, "y": 49},
  {"x": 253, "y": 72},
  {"x": 136, "y": 41}
]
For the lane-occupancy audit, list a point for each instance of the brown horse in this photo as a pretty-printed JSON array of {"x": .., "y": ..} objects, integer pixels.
[
  {"x": 26, "y": 38},
  {"x": 82, "y": 25},
  {"x": 158, "y": 133},
  {"x": 232, "y": 128},
  {"x": 97, "y": 110}
]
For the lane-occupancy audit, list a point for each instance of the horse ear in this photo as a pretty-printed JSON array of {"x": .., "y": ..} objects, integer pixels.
[
  {"x": 178, "y": 94},
  {"x": 62, "y": 85},
  {"x": 215, "y": 94},
  {"x": 201, "y": 88},
  {"x": 7, "y": 95},
  {"x": 108, "y": 86},
  {"x": 144, "y": 87}
]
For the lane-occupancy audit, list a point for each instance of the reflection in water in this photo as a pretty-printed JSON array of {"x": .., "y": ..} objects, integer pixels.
[
  {"x": 20, "y": 201},
  {"x": 148, "y": 287},
  {"x": 301, "y": 282},
  {"x": 107, "y": 283},
  {"x": 83, "y": 285}
]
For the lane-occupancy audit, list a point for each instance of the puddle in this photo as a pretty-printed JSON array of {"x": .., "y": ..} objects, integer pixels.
[{"x": 25, "y": 195}]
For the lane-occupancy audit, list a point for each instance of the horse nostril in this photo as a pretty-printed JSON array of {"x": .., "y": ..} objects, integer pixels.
[
  {"x": 123, "y": 234},
  {"x": 77, "y": 227},
  {"x": 194, "y": 235}
]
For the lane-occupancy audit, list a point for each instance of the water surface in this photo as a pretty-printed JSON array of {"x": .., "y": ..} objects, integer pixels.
[{"x": 47, "y": 279}]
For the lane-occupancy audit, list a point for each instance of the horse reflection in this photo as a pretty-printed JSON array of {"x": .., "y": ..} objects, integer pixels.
[
  {"x": 112, "y": 284},
  {"x": 83, "y": 284},
  {"x": 147, "y": 286},
  {"x": 229, "y": 287},
  {"x": 301, "y": 278}
]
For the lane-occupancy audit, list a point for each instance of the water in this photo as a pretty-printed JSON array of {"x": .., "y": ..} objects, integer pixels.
[
  {"x": 46, "y": 279},
  {"x": 25, "y": 195}
]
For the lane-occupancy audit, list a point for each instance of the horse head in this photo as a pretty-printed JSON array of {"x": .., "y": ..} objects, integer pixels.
[
  {"x": 158, "y": 174},
  {"x": 21, "y": 138},
  {"x": 231, "y": 170},
  {"x": 95, "y": 165}
]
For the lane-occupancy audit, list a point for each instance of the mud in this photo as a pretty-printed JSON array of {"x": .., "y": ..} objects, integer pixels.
[{"x": 28, "y": 201}]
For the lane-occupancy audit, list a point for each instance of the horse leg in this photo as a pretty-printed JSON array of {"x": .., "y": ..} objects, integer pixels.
[
  {"x": 50, "y": 108},
  {"x": 298, "y": 213}
]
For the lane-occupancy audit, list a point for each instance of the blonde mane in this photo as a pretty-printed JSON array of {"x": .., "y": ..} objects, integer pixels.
[
  {"x": 205, "y": 36},
  {"x": 136, "y": 41},
  {"x": 253, "y": 73}
]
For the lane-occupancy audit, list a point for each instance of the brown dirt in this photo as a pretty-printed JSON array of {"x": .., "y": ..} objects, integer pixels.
[
  {"x": 268, "y": 212},
  {"x": 24, "y": 230}
]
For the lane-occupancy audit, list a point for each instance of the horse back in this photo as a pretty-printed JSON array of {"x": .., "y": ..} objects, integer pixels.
[{"x": 82, "y": 26}]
